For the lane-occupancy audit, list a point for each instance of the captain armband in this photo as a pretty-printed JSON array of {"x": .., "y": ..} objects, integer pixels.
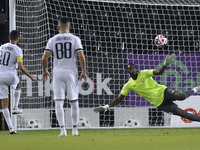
[{"x": 19, "y": 59}]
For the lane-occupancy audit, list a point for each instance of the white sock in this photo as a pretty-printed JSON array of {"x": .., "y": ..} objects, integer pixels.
[
  {"x": 17, "y": 93},
  {"x": 195, "y": 90},
  {"x": 60, "y": 114},
  {"x": 6, "y": 115},
  {"x": 74, "y": 114}
]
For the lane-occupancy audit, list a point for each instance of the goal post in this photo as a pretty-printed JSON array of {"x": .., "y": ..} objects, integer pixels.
[
  {"x": 113, "y": 34},
  {"x": 12, "y": 26}
]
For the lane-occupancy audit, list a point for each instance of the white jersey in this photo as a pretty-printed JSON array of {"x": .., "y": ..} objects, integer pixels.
[
  {"x": 8, "y": 57},
  {"x": 64, "y": 47}
]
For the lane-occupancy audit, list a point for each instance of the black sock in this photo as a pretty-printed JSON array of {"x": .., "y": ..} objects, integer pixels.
[
  {"x": 192, "y": 117},
  {"x": 188, "y": 93}
]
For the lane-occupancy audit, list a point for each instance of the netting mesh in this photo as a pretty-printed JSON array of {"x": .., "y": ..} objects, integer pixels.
[{"x": 113, "y": 34}]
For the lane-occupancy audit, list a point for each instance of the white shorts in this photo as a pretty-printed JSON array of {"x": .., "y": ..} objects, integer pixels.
[
  {"x": 7, "y": 79},
  {"x": 63, "y": 81}
]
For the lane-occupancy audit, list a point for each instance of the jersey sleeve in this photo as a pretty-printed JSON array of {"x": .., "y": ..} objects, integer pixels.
[
  {"x": 48, "y": 46},
  {"x": 78, "y": 45},
  {"x": 125, "y": 90},
  {"x": 19, "y": 55},
  {"x": 149, "y": 73}
]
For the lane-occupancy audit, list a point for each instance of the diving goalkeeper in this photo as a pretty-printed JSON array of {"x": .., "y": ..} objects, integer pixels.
[{"x": 158, "y": 95}]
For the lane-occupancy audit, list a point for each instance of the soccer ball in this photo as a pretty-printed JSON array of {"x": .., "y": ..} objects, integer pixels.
[
  {"x": 160, "y": 41},
  {"x": 33, "y": 124},
  {"x": 131, "y": 122},
  {"x": 84, "y": 123}
]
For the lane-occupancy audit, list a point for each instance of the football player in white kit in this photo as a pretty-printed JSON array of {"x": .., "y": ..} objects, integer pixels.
[
  {"x": 10, "y": 54},
  {"x": 65, "y": 47}
]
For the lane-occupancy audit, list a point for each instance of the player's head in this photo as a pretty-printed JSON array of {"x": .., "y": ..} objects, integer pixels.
[
  {"x": 131, "y": 69},
  {"x": 14, "y": 35},
  {"x": 64, "y": 24}
]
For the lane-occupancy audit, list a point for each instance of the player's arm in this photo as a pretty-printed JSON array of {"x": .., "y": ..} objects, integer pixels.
[
  {"x": 23, "y": 69},
  {"x": 160, "y": 70},
  {"x": 1, "y": 53},
  {"x": 82, "y": 61},
  {"x": 113, "y": 103},
  {"x": 168, "y": 61},
  {"x": 117, "y": 100},
  {"x": 44, "y": 65},
  {"x": 44, "y": 60}
]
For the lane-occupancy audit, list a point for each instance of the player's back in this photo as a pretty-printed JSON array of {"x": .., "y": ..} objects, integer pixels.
[
  {"x": 64, "y": 47},
  {"x": 8, "y": 55}
]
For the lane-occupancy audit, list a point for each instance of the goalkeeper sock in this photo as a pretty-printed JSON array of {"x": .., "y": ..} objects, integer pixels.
[
  {"x": 60, "y": 114},
  {"x": 17, "y": 93},
  {"x": 188, "y": 93},
  {"x": 6, "y": 115},
  {"x": 196, "y": 89},
  {"x": 74, "y": 114},
  {"x": 192, "y": 117}
]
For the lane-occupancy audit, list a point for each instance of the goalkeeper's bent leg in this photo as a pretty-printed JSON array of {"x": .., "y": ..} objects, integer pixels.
[{"x": 184, "y": 95}]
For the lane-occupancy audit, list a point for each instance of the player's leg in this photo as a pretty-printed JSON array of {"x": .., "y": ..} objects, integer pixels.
[
  {"x": 6, "y": 114},
  {"x": 186, "y": 115},
  {"x": 72, "y": 95},
  {"x": 59, "y": 96},
  {"x": 6, "y": 80},
  {"x": 17, "y": 93},
  {"x": 75, "y": 117},
  {"x": 60, "y": 116},
  {"x": 172, "y": 108},
  {"x": 184, "y": 95}
]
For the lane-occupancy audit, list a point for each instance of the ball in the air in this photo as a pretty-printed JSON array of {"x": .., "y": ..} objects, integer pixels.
[{"x": 160, "y": 41}]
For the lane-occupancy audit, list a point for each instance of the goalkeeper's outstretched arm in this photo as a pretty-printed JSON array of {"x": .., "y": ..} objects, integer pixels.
[
  {"x": 168, "y": 61},
  {"x": 113, "y": 103},
  {"x": 117, "y": 100}
]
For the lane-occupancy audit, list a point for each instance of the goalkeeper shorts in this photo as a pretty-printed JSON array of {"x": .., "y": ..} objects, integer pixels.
[{"x": 168, "y": 105}]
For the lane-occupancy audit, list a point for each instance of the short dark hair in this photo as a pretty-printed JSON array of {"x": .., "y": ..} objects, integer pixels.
[
  {"x": 131, "y": 64},
  {"x": 64, "y": 20},
  {"x": 14, "y": 34}
]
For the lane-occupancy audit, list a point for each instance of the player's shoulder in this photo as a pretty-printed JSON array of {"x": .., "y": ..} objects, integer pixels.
[
  {"x": 74, "y": 36},
  {"x": 128, "y": 84},
  {"x": 11, "y": 47},
  {"x": 129, "y": 81},
  {"x": 145, "y": 70},
  {"x": 4, "y": 45},
  {"x": 16, "y": 47},
  {"x": 64, "y": 35}
]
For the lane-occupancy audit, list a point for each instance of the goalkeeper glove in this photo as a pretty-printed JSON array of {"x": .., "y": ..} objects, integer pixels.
[
  {"x": 101, "y": 108},
  {"x": 169, "y": 59}
]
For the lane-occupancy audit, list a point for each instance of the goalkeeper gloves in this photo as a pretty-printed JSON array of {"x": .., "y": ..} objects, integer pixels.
[
  {"x": 169, "y": 59},
  {"x": 101, "y": 108}
]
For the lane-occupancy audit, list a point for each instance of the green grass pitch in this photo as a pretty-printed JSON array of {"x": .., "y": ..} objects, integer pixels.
[{"x": 104, "y": 139}]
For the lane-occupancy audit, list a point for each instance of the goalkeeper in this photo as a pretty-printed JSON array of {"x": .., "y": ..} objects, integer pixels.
[{"x": 158, "y": 95}]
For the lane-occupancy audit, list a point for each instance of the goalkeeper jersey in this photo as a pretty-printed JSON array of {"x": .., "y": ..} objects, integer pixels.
[{"x": 146, "y": 87}]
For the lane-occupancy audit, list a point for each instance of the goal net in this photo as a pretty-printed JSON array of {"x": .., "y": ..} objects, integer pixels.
[{"x": 113, "y": 34}]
